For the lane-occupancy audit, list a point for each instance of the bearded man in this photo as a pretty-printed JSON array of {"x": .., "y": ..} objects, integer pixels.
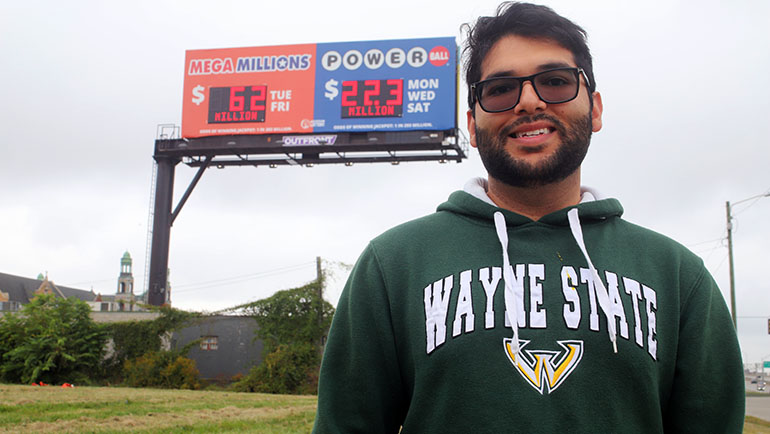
[{"x": 526, "y": 303}]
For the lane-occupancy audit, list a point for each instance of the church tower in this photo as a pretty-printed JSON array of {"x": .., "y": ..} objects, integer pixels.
[{"x": 125, "y": 294}]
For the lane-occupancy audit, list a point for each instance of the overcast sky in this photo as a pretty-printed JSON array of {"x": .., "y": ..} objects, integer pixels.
[{"x": 84, "y": 85}]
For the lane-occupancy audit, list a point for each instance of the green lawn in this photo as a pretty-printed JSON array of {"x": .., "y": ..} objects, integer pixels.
[
  {"x": 119, "y": 409},
  {"x": 755, "y": 426}
]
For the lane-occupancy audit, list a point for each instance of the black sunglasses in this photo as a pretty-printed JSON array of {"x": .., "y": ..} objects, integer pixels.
[{"x": 553, "y": 86}]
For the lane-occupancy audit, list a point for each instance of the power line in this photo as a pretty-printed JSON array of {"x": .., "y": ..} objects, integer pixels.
[
  {"x": 709, "y": 252},
  {"x": 188, "y": 287},
  {"x": 721, "y": 263},
  {"x": 194, "y": 286},
  {"x": 752, "y": 203},
  {"x": 245, "y": 276},
  {"x": 706, "y": 242}
]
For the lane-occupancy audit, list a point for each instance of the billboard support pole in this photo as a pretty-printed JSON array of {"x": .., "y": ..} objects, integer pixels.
[
  {"x": 189, "y": 190},
  {"x": 161, "y": 230}
]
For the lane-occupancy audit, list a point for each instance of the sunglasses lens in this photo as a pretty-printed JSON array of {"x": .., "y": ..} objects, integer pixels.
[
  {"x": 557, "y": 86},
  {"x": 499, "y": 94}
]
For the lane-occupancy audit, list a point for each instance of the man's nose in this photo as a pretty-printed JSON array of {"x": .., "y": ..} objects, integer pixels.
[{"x": 529, "y": 102}]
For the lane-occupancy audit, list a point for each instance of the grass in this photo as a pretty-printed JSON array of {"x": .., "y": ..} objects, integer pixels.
[
  {"x": 754, "y": 425},
  {"x": 119, "y": 409}
]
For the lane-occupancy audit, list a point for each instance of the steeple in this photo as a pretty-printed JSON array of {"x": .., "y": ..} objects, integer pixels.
[
  {"x": 125, "y": 263},
  {"x": 125, "y": 294}
]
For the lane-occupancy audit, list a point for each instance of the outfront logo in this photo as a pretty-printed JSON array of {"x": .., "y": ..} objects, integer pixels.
[{"x": 545, "y": 370}]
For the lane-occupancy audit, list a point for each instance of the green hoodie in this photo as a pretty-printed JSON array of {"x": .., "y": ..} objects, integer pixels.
[{"x": 423, "y": 336}]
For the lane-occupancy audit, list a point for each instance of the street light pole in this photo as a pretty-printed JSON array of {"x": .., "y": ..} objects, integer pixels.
[{"x": 730, "y": 252}]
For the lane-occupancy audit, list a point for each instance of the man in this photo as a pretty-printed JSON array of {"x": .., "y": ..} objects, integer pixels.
[{"x": 525, "y": 304}]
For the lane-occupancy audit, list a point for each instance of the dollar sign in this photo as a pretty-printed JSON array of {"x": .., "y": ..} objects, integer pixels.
[
  {"x": 331, "y": 89},
  {"x": 198, "y": 95}
]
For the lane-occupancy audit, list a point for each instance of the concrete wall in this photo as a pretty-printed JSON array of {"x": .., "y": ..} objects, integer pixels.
[{"x": 123, "y": 316}]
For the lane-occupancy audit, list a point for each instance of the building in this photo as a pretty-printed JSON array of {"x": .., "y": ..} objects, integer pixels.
[
  {"x": 16, "y": 291},
  {"x": 227, "y": 347},
  {"x": 124, "y": 299}
]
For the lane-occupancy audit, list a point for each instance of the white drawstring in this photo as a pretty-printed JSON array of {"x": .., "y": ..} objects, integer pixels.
[
  {"x": 512, "y": 297},
  {"x": 601, "y": 290}
]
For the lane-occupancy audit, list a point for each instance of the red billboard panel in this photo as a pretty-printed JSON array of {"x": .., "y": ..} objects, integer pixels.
[{"x": 230, "y": 91}]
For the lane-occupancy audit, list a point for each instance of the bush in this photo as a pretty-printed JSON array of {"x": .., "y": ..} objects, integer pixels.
[
  {"x": 292, "y": 325},
  {"x": 292, "y": 316},
  {"x": 52, "y": 339},
  {"x": 133, "y": 339},
  {"x": 163, "y": 369},
  {"x": 289, "y": 369},
  {"x": 181, "y": 374}
]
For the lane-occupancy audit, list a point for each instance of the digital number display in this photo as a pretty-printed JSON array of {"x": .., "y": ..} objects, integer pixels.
[
  {"x": 372, "y": 98},
  {"x": 237, "y": 104}
]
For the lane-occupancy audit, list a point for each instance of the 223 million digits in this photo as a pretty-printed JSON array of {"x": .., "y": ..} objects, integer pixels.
[{"x": 372, "y": 98}]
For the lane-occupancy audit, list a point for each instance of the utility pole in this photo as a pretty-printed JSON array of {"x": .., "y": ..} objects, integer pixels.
[
  {"x": 320, "y": 278},
  {"x": 730, "y": 252},
  {"x": 730, "y": 260},
  {"x": 319, "y": 274}
]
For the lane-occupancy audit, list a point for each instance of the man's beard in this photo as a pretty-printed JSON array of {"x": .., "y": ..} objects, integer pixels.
[{"x": 500, "y": 165}]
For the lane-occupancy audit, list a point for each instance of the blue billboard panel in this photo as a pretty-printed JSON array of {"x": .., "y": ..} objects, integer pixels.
[{"x": 395, "y": 85}]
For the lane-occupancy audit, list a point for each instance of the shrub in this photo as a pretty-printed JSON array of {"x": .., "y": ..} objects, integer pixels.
[
  {"x": 292, "y": 325},
  {"x": 143, "y": 371},
  {"x": 132, "y": 339},
  {"x": 163, "y": 369},
  {"x": 181, "y": 373},
  {"x": 292, "y": 316},
  {"x": 289, "y": 369}
]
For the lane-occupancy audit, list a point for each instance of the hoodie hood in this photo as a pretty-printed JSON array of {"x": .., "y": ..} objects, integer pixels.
[{"x": 473, "y": 202}]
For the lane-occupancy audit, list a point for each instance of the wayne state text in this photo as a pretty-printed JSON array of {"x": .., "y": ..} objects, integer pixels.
[{"x": 641, "y": 297}]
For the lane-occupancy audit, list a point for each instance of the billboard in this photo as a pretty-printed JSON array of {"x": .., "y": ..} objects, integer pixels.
[{"x": 393, "y": 85}]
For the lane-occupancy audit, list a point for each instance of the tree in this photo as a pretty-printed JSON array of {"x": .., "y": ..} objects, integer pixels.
[
  {"x": 292, "y": 316},
  {"x": 51, "y": 339},
  {"x": 293, "y": 324}
]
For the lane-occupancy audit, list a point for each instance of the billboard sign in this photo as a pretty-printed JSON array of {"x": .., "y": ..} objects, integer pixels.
[{"x": 394, "y": 85}]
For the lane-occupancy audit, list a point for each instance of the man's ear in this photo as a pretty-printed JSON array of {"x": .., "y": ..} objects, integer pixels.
[
  {"x": 472, "y": 128},
  {"x": 596, "y": 113}
]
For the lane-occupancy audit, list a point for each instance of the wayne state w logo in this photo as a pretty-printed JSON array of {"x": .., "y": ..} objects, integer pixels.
[{"x": 545, "y": 370}]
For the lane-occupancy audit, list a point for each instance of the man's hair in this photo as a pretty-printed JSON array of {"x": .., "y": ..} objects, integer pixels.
[{"x": 527, "y": 20}]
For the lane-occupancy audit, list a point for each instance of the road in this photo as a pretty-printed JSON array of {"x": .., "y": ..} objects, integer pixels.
[{"x": 758, "y": 406}]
